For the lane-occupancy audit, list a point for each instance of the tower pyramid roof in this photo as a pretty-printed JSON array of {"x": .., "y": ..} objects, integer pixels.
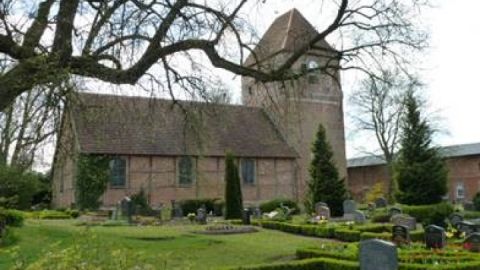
[{"x": 289, "y": 32}]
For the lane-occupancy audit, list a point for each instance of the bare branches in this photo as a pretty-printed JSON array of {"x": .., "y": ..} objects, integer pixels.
[{"x": 120, "y": 41}]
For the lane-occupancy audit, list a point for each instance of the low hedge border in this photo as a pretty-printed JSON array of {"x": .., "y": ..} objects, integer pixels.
[{"x": 343, "y": 233}]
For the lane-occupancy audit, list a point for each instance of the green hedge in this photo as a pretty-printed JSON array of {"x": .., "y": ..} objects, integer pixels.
[
  {"x": 429, "y": 214},
  {"x": 345, "y": 234},
  {"x": 271, "y": 205},
  {"x": 53, "y": 214},
  {"x": 11, "y": 217},
  {"x": 211, "y": 205},
  {"x": 309, "y": 264}
]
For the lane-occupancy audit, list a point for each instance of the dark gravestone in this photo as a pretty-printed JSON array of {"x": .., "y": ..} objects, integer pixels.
[
  {"x": 455, "y": 218},
  {"x": 400, "y": 235},
  {"x": 472, "y": 242},
  {"x": 466, "y": 227},
  {"x": 246, "y": 216},
  {"x": 202, "y": 215},
  {"x": 435, "y": 237},
  {"x": 378, "y": 255},
  {"x": 177, "y": 211},
  {"x": 381, "y": 203},
  {"x": 127, "y": 208},
  {"x": 257, "y": 212},
  {"x": 394, "y": 211},
  {"x": 349, "y": 206}
]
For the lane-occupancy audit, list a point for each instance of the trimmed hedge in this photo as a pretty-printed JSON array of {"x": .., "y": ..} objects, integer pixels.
[
  {"x": 345, "y": 234},
  {"x": 309, "y": 264},
  {"x": 11, "y": 217},
  {"x": 212, "y": 205},
  {"x": 272, "y": 205},
  {"x": 429, "y": 214}
]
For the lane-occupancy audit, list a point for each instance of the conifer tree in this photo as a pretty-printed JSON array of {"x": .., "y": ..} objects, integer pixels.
[
  {"x": 233, "y": 190},
  {"x": 324, "y": 184},
  {"x": 419, "y": 171}
]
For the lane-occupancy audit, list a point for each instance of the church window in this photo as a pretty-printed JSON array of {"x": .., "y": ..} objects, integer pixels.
[
  {"x": 118, "y": 172},
  {"x": 460, "y": 191},
  {"x": 312, "y": 65},
  {"x": 250, "y": 90},
  {"x": 248, "y": 171},
  {"x": 186, "y": 172}
]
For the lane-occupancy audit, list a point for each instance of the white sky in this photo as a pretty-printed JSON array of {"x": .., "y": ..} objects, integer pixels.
[{"x": 449, "y": 68}]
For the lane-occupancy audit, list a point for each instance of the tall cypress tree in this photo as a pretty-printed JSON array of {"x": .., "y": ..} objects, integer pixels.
[
  {"x": 324, "y": 184},
  {"x": 419, "y": 171},
  {"x": 233, "y": 190}
]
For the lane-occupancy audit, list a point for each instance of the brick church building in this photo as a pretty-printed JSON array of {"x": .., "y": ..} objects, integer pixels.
[
  {"x": 463, "y": 163},
  {"x": 176, "y": 151}
]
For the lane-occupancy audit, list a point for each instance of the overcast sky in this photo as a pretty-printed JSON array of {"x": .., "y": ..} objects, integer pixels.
[{"x": 449, "y": 68}]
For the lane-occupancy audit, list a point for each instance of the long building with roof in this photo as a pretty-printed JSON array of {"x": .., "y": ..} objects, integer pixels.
[{"x": 463, "y": 162}]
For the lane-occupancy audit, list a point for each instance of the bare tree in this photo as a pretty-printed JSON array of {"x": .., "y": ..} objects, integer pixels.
[
  {"x": 152, "y": 41},
  {"x": 377, "y": 110}
]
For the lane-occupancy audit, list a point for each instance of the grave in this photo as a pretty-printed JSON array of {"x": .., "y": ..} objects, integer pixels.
[
  {"x": 466, "y": 227},
  {"x": 177, "y": 211},
  {"x": 381, "y": 202},
  {"x": 257, "y": 213},
  {"x": 435, "y": 237},
  {"x": 404, "y": 220},
  {"x": 377, "y": 254},
  {"x": 322, "y": 211},
  {"x": 394, "y": 211},
  {"x": 455, "y": 218},
  {"x": 359, "y": 217},
  {"x": 400, "y": 235},
  {"x": 127, "y": 208},
  {"x": 202, "y": 215},
  {"x": 472, "y": 242},
  {"x": 349, "y": 206},
  {"x": 246, "y": 216}
]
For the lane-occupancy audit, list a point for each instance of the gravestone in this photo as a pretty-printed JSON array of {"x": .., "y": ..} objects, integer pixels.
[
  {"x": 127, "y": 208},
  {"x": 400, "y": 235},
  {"x": 246, "y": 216},
  {"x": 472, "y": 242},
  {"x": 377, "y": 254},
  {"x": 435, "y": 237},
  {"x": 202, "y": 215},
  {"x": 322, "y": 211},
  {"x": 394, "y": 211},
  {"x": 177, "y": 211},
  {"x": 466, "y": 227},
  {"x": 381, "y": 202},
  {"x": 404, "y": 220},
  {"x": 349, "y": 206},
  {"x": 372, "y": 207},
  {"x": 320, "y": 204},
  {"x": 455, "y": 218},
  {"x": 257, "y": 213},
  {"x": 359, "y": 217}
]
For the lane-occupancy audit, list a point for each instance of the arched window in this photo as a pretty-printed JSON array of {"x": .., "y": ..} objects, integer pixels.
[
  {"x": 185, "y": 171},
  {"x": 312, "y": 68},
  {"x": 118, "y": 171},
  {"x": 312, "y": 65}
]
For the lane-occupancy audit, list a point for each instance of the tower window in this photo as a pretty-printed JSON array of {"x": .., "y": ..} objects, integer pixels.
[
  {"x": 312, "y": 65},
  {"x": 250, "y": 90}
]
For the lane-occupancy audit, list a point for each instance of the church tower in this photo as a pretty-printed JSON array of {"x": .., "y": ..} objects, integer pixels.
[{"x": 298, "y": 107}]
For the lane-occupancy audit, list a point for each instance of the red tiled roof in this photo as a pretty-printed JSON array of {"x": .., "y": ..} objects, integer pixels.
[{"x": 107, "y": 124}]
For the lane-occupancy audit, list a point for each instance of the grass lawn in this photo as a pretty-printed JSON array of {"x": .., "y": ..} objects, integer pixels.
[{"x": 175, "y": 245}]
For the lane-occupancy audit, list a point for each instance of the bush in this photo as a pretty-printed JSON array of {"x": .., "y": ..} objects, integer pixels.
[
  {"x": 347, "y": 235},
  {"x": 140, "y": 202},
  {"x": 191, "y": 206},
  {"x": 11, "y": 217},
  {"x": 91, "y": 180},
  {"x": 17, "y": 188},
  {"x": 377, "y": 191},
  {"x": 381, "y": 217},
  {"x": 53, "y": 214},
  {"x": 272, "y": 205},
  {"x": 430, "y": 214},
  {"x": 8, "y": 238},
  {"x": 309, "y": 264},
  {"x": 476, "y": 201},
  {"x": 233, "y": 190}
]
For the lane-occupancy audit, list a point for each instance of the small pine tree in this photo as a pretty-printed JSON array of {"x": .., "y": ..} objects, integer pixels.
[
  {"x": 419, "y": 171},
  {"x": 233, "y": 190},
  {"x": 324, "y": 184}
]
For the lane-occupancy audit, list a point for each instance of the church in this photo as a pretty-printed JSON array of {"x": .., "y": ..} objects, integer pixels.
[{"x": 176, "y": 151}]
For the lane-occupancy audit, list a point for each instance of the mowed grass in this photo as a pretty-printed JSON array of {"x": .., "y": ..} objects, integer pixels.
[{"x": 175, "y": 246}]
